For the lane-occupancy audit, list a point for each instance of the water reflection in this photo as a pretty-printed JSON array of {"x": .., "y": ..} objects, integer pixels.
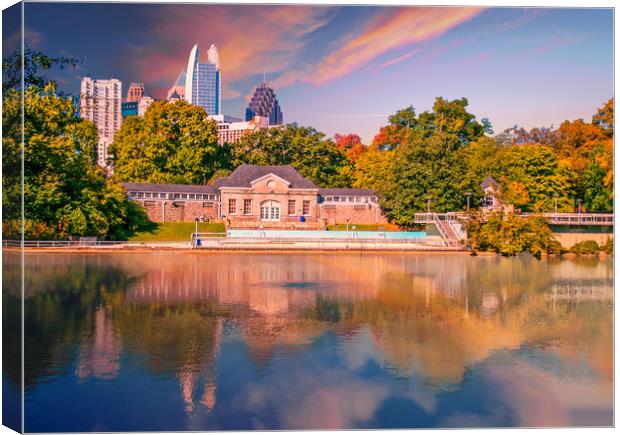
[{"x": 233, "y": 341}]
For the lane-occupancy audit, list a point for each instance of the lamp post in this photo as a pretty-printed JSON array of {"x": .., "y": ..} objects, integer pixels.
[
  {"x": 555, "y": 203},
  {"x": 428, "y": 203},
  {"x": 468, "y": 194},
  {"x": 579, "y": 206}
]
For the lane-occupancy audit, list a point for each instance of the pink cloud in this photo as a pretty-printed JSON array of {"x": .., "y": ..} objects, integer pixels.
[
  {"x": 250, "y": 39},
  {"x": 399, "y": 58},
  {"x": 387, "y": 31}
]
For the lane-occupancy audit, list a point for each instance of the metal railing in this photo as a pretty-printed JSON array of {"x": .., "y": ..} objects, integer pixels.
[
  {"x": 551, "y": 218},
  {"x": 202, "y": 241},
  {"x": 578, "y": 218},
  {"x": 89, "y": 244}
]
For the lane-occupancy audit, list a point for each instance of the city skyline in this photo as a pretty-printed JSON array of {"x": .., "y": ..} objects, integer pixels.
[{"x": 526, "y": 66}]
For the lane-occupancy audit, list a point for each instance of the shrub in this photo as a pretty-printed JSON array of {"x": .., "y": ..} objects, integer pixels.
[
  {"x": 587, "y": 247},
  {"x": 608, "y": 246},
  {"x": 509, "y": 235}
]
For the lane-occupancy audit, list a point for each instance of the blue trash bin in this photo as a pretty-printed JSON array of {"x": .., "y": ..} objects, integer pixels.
[{"x": 302, "y": 219}]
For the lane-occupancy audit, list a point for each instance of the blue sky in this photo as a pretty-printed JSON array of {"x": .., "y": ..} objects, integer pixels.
[{"x": 345, "y": 69}]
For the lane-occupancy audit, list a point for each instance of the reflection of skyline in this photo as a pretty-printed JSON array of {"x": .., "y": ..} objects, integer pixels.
[
  {"x": 180, "y": 313},
  {"x": 100, "y": 352},
  {"x": 436, "y": 327}
]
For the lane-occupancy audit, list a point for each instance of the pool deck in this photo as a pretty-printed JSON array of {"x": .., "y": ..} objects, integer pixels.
[{"x": 247, "y": 244}]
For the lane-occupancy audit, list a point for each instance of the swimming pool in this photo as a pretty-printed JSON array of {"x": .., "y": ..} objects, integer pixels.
[{"x": 303, "y": 234}]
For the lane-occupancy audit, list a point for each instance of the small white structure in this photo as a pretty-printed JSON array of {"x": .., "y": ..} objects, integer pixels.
[{"x": 491, "y": 190}]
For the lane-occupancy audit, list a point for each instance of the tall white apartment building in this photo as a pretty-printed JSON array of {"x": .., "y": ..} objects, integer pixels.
[{"x": 100, "y": 102}]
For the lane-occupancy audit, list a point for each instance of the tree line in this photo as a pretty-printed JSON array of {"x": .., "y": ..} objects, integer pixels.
[{"x": 437, "y": 157}]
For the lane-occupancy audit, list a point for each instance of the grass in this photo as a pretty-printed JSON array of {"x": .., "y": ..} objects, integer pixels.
[
  {"x": 176, "y": 231},
  {"x": 363, "y": 227}
]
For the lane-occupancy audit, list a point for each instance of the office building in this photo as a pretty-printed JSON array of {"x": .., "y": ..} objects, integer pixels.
[
  {"x": 144, "y": 104},
  {"x": 203, "y": 81},
  {"x": 230, "y": 129},
  {"x": 135, "y": 92},
  {"x": 100, "y": 102},
  {"x": 129, "y": 108},
  {"x": 177, "y": 91},
  {"x": 264, "y": 103}
]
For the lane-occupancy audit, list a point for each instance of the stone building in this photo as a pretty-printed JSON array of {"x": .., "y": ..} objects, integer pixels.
[{"x": 259, "y": 196}]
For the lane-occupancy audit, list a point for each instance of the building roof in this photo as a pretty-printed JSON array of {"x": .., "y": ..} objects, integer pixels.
[
  {"x": 170, "y": 188},
  {"x": 245, "y": 174},
  {"x": 218, "y": 182},
  {"x": 347, "y": 192},
  {"x": 489, "y": 182},
  {"x": 180, "y": 79}
]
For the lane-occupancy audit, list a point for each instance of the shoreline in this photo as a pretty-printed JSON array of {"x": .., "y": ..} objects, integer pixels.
[
  {"x": 279, "y": 251},
  {"x": 143, "y": 249}
]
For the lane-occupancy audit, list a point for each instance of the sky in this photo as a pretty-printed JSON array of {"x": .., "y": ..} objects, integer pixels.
[{"x": 345, "y": 69}]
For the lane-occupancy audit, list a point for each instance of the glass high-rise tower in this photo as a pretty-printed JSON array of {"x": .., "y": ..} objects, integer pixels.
[{"x": 203, "y": 83}]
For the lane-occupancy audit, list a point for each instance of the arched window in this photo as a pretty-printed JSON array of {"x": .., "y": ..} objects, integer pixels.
[{"x": 270, "y": 211}]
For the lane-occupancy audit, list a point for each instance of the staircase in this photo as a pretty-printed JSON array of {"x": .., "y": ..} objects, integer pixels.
[{"x": 448, "y": 233}]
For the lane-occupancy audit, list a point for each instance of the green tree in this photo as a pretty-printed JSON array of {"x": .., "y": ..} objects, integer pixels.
[
  {"x": 482, "y": 158},
  {"x": 171, "y": 143},
  {"x": 65, "y": 193},
  {"x": 304, "y": 148},
  {"x": 530, "y": 175},
  {"x": 371, "y": 168},
  {"x": 428, "y": 161},
  {"x": 34, "y": 64},
  {"x": 597, "y": 197}
]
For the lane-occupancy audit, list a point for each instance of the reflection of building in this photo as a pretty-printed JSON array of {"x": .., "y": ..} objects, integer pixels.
[
  {"x": 100, "y": 102},
  {"x": 253, "y": 196},
  {"x": 203, "y": 82},
  {"x": 230, "y": 129},
  {"x": 99, "y": 354},
  {"x": 264, "y": 103},
  {"x": 189, "y": 375}
]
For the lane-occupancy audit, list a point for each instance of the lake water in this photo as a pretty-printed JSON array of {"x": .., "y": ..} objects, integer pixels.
[{"x": 199, "y": 341}]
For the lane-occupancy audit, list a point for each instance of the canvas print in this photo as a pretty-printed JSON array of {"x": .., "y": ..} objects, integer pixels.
[{"x": 295, "y": 217}]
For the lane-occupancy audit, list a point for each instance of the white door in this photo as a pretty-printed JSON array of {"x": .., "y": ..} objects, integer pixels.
[{"x": 270, "y": 211}]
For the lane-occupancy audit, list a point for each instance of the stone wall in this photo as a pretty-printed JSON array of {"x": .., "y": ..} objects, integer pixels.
[
  {"x": 567, "y": 240},
  {"x": 179, "y": 211},
  {"x": 362, "y": 213}
]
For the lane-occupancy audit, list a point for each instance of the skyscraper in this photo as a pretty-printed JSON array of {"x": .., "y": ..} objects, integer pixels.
[
  {"x": 135, "y": 92},
  {"x": 100, "y": 102},
  {"x": 203, "y": 82},
  {"x": 178, "y": 88},
  {"x": 264, "y": 103}
]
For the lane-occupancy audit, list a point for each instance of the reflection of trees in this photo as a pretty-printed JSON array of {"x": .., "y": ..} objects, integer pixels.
[
  {"x": 11, "y": 340},
  {"x": 180, "y": 339},
  {"x": 436, "y": 315},
  {"x": 62, "y": 298}
]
